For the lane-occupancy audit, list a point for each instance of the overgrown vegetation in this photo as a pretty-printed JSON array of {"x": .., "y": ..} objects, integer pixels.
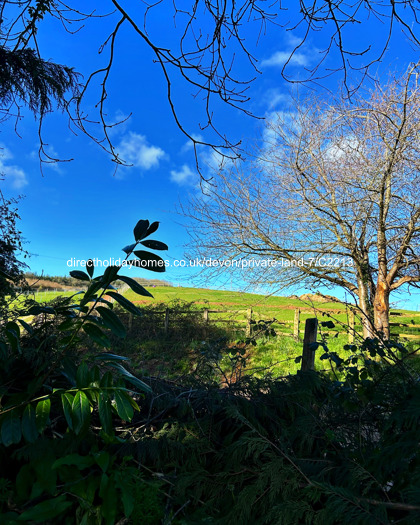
[
  {"x": 11, "y": 252},
  {"x": 84, "y": 440}
]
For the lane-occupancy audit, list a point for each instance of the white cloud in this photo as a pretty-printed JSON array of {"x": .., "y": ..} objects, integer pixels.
[
  {"x": 5, "y": 153},
  {"x": 135, "y": 150},
  {"x": 293, "y": 40},
  {"x": 14, "y": 176},
  {"x": 184, "y": 176},
  {"x": 273, "y": 97},
  {"x": 279, "y": 59}
]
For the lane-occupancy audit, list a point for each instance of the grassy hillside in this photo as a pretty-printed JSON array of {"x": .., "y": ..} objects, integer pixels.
[
  {"x": 235, "y": 305},
  {"x": 157, "y": 351}
]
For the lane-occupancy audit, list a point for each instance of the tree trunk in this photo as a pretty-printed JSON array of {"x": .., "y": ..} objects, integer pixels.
[
  {"x": 365, "y": 306},
  {"x": 381, "y": 309}
]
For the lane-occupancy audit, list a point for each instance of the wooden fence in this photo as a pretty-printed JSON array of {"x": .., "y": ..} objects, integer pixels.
[
  {"x": 296, "y": 329},
  {"x": 249, "y": 321}
]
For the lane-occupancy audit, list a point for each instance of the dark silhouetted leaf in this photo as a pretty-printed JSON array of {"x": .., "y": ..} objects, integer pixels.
[
  {"x": 79, "y": 461},
  {"x": 90, "y": 267},
  {"x": 11, "y": 429},
  {"x": 135, "y": 286},
  {"x": 154, "y": 245},
  {"x": 152, "y": 228},
  {"x": 125, "y": 303},
  {"x": 111, "y": 321},
  {"x": 111, "y": 273},
  {"x": 97, "y": 335},
  {"x": 105, "y": 412},
  {"x": 129, "y": 377},
  {"x": 45, "y": 511},
  {"x": 82, "y": 276},
  {"x": 29, "y": 430},
  {"x": 140, "y": 230},
  {"x": 26, "y": 326},
  {"x": 82, "y": 376},
  {"x": 150, "y": 261}
]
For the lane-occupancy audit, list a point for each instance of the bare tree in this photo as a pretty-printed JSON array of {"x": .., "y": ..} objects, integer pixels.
[
  {"x": 211, "y": 38},
  {"x": 331, "y": 198}
]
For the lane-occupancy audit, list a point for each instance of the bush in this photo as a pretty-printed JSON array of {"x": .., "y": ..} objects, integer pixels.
[{"x": 62, "y": 406}]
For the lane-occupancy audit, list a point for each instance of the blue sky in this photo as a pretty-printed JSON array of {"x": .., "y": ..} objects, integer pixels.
[{"x": 83, "y": 209}]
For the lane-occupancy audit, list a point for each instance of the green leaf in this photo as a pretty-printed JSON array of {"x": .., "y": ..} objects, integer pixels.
[
  {"x": 110, "y": 357},
  {"x": 106, "y": 380},
  {"x": 29, "y": 430},
  {"x": 68, "y": 324},
  {"x": 82, "y": 375},
  {"x": 154, "y": 245},
  {"x": 12, "y": 332},
  {"x": 109, "y": 497},
  {"x": 150, "y": 261},
  {"x": 11, "y": 429},
  {"x": 82, "y": 276},
  {"x": 42, "y": 413},
  {"x": 140, "y": 230},
  {"x": 128, "y": 501},
  {"x": 102, "y": 459},
  {"x": 26, "y": 326},
  {"x": 67, "y": 402},
  {"x": 90, "y": 267},
  {"x": 46, "y": 510},
  {"x": 105, "y": 413},
  {"x": 95, "y": 333},
  {"x": 24, "y": 481},
  {"x": 127, "y": 494},
  {"x": 13, "y": 328},
  {"x": 123, "y": 406},
  {"x": 38, "y": 309},
  {"x": 135, "y": 286},
  {"x": 111, "y": 321},
  {"x": 80, "y": 411},
  {"x": 77, "y": 460},
  {"x": 125, "y": 303},
  {"x": 132, "y": 379}
]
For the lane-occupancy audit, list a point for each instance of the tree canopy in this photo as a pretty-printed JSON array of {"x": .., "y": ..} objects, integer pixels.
[{"x": 331, "y": 199}]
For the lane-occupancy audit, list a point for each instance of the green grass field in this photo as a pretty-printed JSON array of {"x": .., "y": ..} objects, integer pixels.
[
  {"x": 158, "y": 354},
  {"x": 234, "y": 306}
]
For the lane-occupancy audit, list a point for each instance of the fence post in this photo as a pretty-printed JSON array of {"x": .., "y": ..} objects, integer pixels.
[
  {"x": 248, "y": 322},
  {"x": 308, "y": 354},
  {"x": 206, "y": 321},
  {"x": 166, "y": 320},
  {"x": 351, "y": 327},
  {"x": 296, "y": 324}
]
